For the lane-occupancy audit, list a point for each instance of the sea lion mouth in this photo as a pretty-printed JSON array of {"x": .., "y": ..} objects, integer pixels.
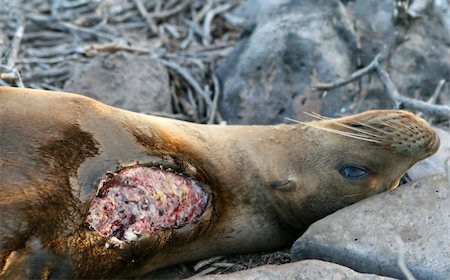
[{"x": 141, "y": 199}]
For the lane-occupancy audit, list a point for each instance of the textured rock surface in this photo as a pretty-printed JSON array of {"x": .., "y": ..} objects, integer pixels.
[
  {"x": 291, "y": 45},
  {"x": 128, "y": 81},
  {"x": 295, "y": 44},
  {"x": 421, "y": 49},
  {"x": 304, "y": 270},
  {"x": 362, "y": 236}
]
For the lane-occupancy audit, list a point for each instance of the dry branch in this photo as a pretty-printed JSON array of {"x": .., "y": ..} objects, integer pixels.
[
  {"x": 15, "y": 45},
  {"x": 406, "y": 102},
  {"x": 401, "y": 258},
  {"x": 144, "y": 13},
  {"x": 437, "y": 92},
  {"x": 208, "y": 20},
  {"x": 353, "y": 77},
  {"x": 10, "y": 74},
  {"x": 61, "y": 35},
  {"x": 191, "y": 81},
  {"x": 389, "y": 87}
]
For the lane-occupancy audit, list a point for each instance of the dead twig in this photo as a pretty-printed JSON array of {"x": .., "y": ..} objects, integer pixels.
[
  {"x": 191, "y": 81},
  {"x": 44, "y": 73},
  {"x": 353, "y": 77},
  {"x": 111, "y": 47},
  {"x": 167, "y": 13},
  {"x": 208, "y": 20},
  {"x": 90, "y": 31},
  {"x": 223, "y": 264},
  {"x": 389, "y": 87},
  {"x": 206, "y": 262},
  {"x": 401, "y": 259},
  {"x": 214, "y": 113},
  {"x": 406, "y": 102},
  {"x": 144, "y": 13},
  {"x": 15, "y": 45},
  {"x": 10, "y": 74},
  {"x": 206, "y": 271},
  {"x": 437, "y": 92}
]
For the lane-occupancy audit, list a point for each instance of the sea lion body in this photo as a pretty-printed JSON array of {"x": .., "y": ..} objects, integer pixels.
[{"x": 263, "y": 184}]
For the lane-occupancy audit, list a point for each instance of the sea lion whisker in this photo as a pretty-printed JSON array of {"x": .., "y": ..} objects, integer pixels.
[
  {"x": 320, "y": 117},
  {"x": 390, "y": 124},
  {"x": 351, "y": 135},
  {"x": 358, "y": 130},
  {"x": 292, "y": 120},
  {"x": 394, "y": 122},
  {"x": 317, "y": 116},
  {"x": 369, "y": 126},
  {"x": 356, "y": 136},
  {"x": 404, "y": 126},
  {"x": 343, "y": 133}
]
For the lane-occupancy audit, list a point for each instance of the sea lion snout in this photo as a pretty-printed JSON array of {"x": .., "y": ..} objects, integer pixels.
[{"x": 400, "y": 131}]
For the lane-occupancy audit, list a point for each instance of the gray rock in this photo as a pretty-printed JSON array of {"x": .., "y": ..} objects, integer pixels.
[
  {"x": 420, "y": 50},
  {"x": 133, "y": 82},
  {"x": 444, "y": 7},
  {"x": 291, "y": 45},
  {"x": 304, "y": 270},
  {"x": 254, "y": 11},
  {"x": 271, "y": 72},
  {"x": 438, "y": 163},
  {"x": 362, "y": 236}
]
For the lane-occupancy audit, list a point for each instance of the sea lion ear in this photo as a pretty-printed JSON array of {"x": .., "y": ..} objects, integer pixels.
[{"x": 287, "y": 185}]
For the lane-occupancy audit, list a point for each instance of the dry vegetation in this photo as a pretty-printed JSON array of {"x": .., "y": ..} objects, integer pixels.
[{"x": 42, "y": 42}]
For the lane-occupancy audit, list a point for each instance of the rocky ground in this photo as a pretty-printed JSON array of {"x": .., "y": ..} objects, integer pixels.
[{"x": 258, "y": 62}]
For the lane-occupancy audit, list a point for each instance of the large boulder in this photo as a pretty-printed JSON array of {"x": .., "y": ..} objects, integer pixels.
[
  {"x": 128, "y": 81},
  {"x": 294, "y": 45},
  {"x": 304, "y": 270},
  {"x": 363, "y": 236},
  {"x": 290, "y": 46},
  {"x": 419, "y": 49}
]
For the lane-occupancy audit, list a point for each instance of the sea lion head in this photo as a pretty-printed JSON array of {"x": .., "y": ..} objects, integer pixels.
[{"x": 351, "y": 158}]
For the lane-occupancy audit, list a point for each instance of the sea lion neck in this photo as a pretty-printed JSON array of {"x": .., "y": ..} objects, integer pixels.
[{"x": 241, "y": 164}]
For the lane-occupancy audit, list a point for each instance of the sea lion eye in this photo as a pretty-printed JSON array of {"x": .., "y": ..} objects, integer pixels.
[{"x": 353, "y": 171}]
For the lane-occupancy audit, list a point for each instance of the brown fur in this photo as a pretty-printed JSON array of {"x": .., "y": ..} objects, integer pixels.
[{"x": 268, "y": 183}]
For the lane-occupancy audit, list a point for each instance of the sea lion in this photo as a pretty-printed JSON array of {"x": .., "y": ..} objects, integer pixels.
[{"x": 92, "y": 191}]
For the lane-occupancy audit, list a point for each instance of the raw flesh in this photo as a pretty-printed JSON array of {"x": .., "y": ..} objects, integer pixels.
[{"x": 145, "y": 199}]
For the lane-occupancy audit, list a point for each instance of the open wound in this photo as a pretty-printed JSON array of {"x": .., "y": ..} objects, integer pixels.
[{"x": 143, "y": 199}]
